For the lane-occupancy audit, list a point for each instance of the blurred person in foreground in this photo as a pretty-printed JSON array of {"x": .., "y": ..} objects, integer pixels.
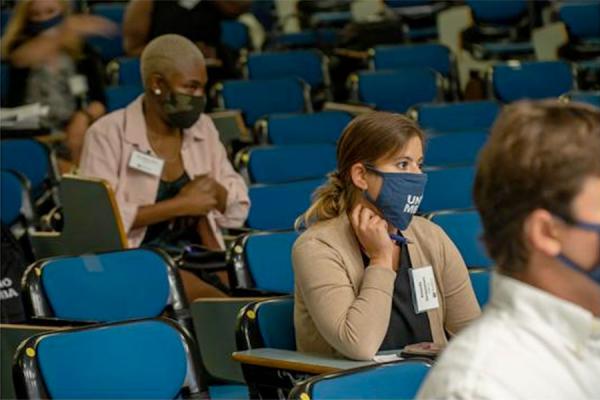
[{"x": 538, "y": 192}]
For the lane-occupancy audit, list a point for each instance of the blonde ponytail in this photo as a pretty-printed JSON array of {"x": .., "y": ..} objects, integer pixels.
[{"x": 329, "y": 201}]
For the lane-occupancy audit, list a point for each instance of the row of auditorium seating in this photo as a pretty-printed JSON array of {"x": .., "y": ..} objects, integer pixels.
[
  {"x": 73, "y": 290},
  {"x": 259, "y": 262}
]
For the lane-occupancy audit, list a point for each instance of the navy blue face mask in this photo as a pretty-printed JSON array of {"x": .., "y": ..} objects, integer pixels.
[
  {"x": 35, "y": 28},
  {"x": 400, "y": 196},
  {"x": 594, "y": 273}
]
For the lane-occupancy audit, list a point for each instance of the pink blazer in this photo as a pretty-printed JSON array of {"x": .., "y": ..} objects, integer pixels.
[{"x": 107, "y": 149}]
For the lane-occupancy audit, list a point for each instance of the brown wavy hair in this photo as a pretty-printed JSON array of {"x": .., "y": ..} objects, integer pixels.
[{"x": 367, "y": 138}]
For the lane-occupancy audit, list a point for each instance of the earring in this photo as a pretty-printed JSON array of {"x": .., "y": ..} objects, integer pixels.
[{"x": 157, "y": 91}]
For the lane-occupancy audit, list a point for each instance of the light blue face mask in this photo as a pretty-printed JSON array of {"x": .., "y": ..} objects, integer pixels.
[
  {"x": 400, "y": 196},
  {"x": 594, "y": 273}
]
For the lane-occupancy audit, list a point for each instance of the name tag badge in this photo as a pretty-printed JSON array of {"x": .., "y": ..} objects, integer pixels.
[
  {"x": 78, "y": 85},
  {"x": 424, "y": 289},
  {"x": 146, "y": 163}
]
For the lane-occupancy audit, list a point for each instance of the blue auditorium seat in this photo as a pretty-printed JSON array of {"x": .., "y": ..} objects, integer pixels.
[
  {"x": 397, "y": 380},
  {"x": 15, "y": 204},
  {"x": 481, "y": 281},
  {"x": 291, "y": 200},
  {"x": 267, "y": 323},
  {"x": 308, "y": 65},
  {"x": 321, "y": 127},
  {"x": 591, "y": 97},
  {"x": 263, "y": 261},
  {"x": 453, "y": 149},
  {"x": 465, "y": 230},
  {"x": 504, "y": 12},
  {"x": 400, "y": 89},
  {"x": 234, "y": 35},
  {"x": 581, "y": 18},
  {"x": 457, "y": 117},
  {"x": 149, "y": 359},
  {"x": 432, "y": 55},
  {"x": 129, "y": 73},
  {"x": 120, "y": 96},
  {"x": 281, "y": 164},
  {"x": 75, "y": 288},
  {"x": 534, "y": 80},
  {"x": 33, "y": 160},
  {"x": 448, "y": 189},
  {"x": 259, "y": 98}
]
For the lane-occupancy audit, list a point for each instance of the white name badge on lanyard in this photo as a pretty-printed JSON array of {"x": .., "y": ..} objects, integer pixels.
[
  {"x": 424, "y": 289},
  {"x": 146, "y": 163}
]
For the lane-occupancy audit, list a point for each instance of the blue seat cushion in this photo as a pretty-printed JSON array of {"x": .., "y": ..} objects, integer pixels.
[
  {"x": 107, "y": 287},
  {"x": 130, "y": 361}
]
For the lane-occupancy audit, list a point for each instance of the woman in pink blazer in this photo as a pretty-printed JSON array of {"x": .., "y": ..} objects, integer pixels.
[{"x": 162, "y": 156}]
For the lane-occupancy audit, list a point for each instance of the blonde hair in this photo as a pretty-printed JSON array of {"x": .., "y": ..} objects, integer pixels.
[
  {"x": 164, "y": 53},
  {"x": 366, "y": 139},
  {"x": 17, "y": 23}
]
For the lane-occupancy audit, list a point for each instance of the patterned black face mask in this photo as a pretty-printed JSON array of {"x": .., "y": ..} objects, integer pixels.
[{"x": 183, "y": 110}]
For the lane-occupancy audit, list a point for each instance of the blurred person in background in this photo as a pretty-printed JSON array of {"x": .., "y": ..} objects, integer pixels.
[{"x": 51, "y": 64}]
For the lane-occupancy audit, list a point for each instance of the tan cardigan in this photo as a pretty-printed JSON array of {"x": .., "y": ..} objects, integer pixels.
[{"x": 341, "y": 308}]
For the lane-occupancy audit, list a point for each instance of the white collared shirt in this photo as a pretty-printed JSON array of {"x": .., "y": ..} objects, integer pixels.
[{"x": 528, "y": 344}]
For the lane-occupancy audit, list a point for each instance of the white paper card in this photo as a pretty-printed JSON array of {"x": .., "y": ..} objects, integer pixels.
[
  {"x": 382, "y": 358},
  {"x": 78, "y": 85},
  {"x": 188, "y": 4},
  {"x": 424, "y": 289},
  {"x": 146, "y": 163}
]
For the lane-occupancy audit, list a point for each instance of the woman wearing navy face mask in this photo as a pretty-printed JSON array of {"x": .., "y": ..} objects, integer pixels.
[
  {"x": 52, "y": 65},
  {"x": 371, "y": 276}
]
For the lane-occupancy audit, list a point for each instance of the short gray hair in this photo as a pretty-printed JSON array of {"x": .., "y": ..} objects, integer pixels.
[{"x": 166, "y": 53}]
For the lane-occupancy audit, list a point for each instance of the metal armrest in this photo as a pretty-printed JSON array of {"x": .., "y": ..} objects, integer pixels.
[{"x": 53, "y": 321}]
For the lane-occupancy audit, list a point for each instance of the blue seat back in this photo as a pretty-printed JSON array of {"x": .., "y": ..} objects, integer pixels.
[
  {"x": 448, "y": 188},
  {"x": 457, "y": 117},
  {"x": 108, "y": 286},
  {"x": 259, "y": 98},
  {"x": 304, "y": 64},
  {"x": 129, "y": 72},
  {"x": 534, "y": 80},
  {"x": 13, "y": 194},
  {"x": 502, "y": 12},
  {"x": 276, "y": 323},
  {"x": 234, "y": 35},
  {"x": 145, "y": 359},
  {"x": 399, "y": 380},
  {"x": 120, "y": 96},
  {"x": 398, "y": 90},
  {"x": 431, "y": 55},
  {"x": 31, "y": 159},
  {"x": 581, "y": 18},
  {"x": 276, "y": 207},
  {"x": 480, "y": 280},
  {"x": 454, "y": 148},
  {"x": 321, "y": 127},
  {"x": 592, "y": 97},
  {"x": 269, "y": 260},
  {"x": 465, "y": 230},
  {"x": 280, "y": 164}
]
